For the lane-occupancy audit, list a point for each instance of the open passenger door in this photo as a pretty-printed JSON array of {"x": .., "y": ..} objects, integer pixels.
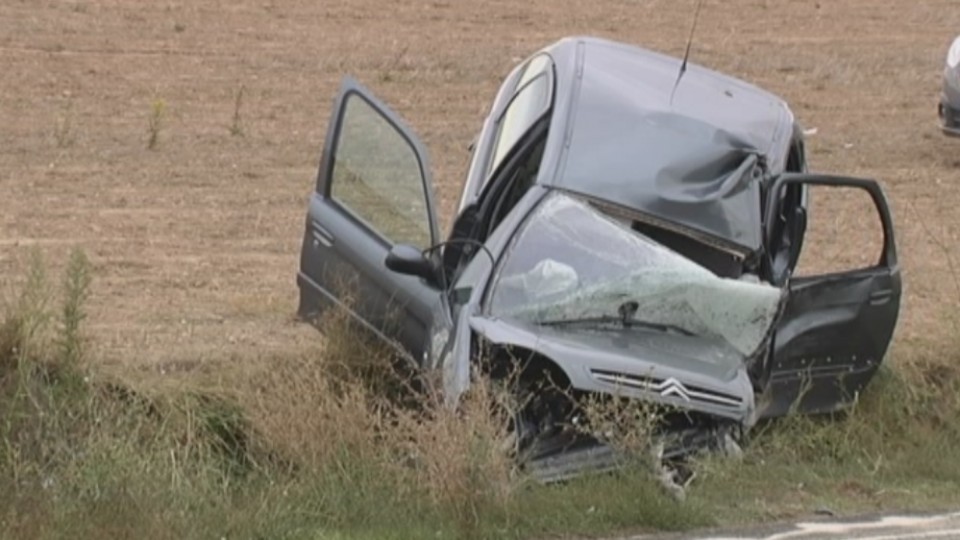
[
  {"x": 836, "y": 326},
  {"x": 373, "y": 191}
]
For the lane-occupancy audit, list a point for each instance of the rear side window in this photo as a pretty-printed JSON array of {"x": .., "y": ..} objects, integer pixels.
[{"x": 531, "y": 101}]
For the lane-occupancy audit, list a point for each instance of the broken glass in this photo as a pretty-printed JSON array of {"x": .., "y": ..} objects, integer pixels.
[{"x": 573, "y": 262}]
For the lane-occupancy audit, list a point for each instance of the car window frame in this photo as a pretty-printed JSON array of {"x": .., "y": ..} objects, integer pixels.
[
  {"x": 791, "y": 232},
  {"x": 496, "y": 189},
  {"x": 500, "y": 183},
  {"x": 418, "y": 151}
]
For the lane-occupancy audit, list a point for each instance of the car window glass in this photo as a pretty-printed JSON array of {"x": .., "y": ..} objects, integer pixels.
[
  {"x": 535, "y": 67},
  {"x": 527, "y": 106},
  {"x": 571, "y": 262},
  {"x": 378, "y": 176},
  {"x": 516, "y": 182},
  {"x": 522, "y": 179}
]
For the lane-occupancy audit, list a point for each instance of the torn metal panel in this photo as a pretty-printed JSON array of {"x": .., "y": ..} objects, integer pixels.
[{"x": 670, "y": 370}]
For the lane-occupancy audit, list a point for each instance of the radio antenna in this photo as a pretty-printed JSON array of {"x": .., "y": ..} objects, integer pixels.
[{"x": 686, "y": 54}]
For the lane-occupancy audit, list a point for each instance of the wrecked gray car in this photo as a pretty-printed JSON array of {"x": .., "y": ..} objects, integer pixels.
[
  {"x": 618, "y": 234},
  {"x": 949, "y": 107}
]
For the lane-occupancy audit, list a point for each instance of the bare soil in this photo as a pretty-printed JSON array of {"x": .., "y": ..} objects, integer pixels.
[{"x": 195, "y": 243}]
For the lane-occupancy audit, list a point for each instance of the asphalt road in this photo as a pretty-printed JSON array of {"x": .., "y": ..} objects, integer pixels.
[{"x": 886, "y": 527}]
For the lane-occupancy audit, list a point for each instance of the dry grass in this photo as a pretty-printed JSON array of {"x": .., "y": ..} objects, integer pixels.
[
  {"x": 321, "y": 444},
  {"x": 304, "y": 446},
  {"x": 353, "y": 405},
  {"x": 894, "y": 450}
]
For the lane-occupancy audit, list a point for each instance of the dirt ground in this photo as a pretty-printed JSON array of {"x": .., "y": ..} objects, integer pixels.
[{"x": 195, "y": 242}]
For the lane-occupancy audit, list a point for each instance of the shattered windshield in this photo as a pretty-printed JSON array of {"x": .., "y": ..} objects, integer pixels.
[{"x": 572, "y": 264}]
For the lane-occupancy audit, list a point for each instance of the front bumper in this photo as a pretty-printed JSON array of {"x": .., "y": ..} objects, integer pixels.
[
  {"x": 949, "y": 119},
  {"x": 667, "y": 451}
]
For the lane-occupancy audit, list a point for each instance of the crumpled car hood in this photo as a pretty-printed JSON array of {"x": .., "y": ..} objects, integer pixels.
[
  {"x": 710, "y": 358},
  {"x": 583, "y": 353}
]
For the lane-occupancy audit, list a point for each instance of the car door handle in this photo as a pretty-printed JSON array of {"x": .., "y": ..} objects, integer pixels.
[
  {"x": 879, "y": 298},
  {"x": 320, "y": 236}
]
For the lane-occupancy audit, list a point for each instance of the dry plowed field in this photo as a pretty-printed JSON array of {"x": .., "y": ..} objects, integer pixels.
[{"x": 195, "y": 242}]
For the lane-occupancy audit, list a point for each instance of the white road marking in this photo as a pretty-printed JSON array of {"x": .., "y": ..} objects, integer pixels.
[
  {"x": 928, "y": 534},
  {"x": 888, "y": 522},
  {"x": 910, "y": 527}
]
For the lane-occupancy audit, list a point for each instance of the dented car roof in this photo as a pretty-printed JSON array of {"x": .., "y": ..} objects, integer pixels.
[{"x": 686, "y": 158}]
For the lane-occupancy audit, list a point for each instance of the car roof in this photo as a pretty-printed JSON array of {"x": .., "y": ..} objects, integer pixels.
[{"x": 687, "y": 156}]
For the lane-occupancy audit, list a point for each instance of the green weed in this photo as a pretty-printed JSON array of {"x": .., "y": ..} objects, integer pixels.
[
  {"x": 236, "y": 125},
  {"x": 63, "y": 133},
  {"x": 155, "y": 123}
]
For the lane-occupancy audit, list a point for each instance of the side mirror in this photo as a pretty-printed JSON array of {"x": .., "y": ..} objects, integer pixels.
[{"x": 406, "y": 259}]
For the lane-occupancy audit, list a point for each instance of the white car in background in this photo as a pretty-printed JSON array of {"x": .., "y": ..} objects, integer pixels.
[{"x": 949, "y": 107}]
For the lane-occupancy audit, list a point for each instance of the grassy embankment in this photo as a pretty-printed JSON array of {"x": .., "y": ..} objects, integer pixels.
[{"x": 312, "y": 447}]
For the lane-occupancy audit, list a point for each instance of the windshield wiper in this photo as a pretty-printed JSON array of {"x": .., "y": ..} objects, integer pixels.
[
  {"x": 602, "y": 320},
  {"x": 626, "y": 311}
]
